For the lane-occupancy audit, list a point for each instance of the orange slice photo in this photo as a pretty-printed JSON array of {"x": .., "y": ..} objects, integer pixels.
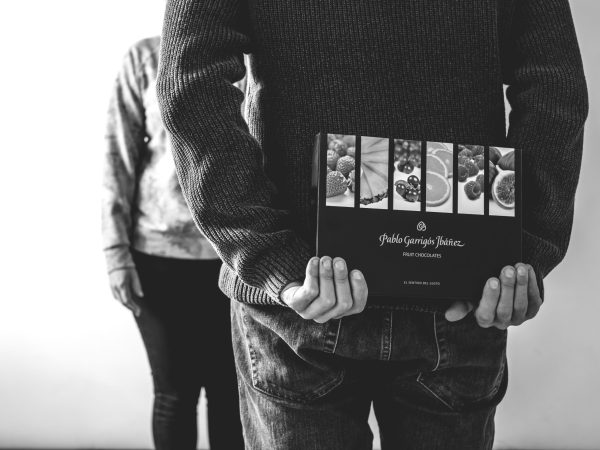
[
  {"x": 438, "y": 188},
  {"x": 446, "y": 157},
  {"x": 435, "y": 164}
]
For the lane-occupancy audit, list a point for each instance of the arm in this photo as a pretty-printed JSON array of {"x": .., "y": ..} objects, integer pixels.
[
  {"x": 125, "y": 135},
  {"x": 547, "y": 92},
  {"x": 548, "y": 95},
  {"x": 219, "y": 163}
]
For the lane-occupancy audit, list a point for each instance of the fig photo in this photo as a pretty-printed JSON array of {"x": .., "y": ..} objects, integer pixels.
[
  {"x": 502, "y": 182},
  {"x": 471, "y": 162},
  {"x": 407, "y": 175},
  {"x": 341, "y": 152},
  {"x": 438, "y": 177},
  {"x": 374, "y": 166}
]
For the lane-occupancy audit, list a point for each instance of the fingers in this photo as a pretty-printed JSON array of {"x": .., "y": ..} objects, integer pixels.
[
  {"x": 533, "y": 292},
  {"x": 343, "y": 293},
  {"x": 326, "y": 299},
  {"x": 128, "y": 299},
  {"x": 136, "y": 285},
  {"x": 301, "y": 297},
  {"x": 125, "y": 287},
  {"x": 507, "y": 294},
  {"x": 115, "y": 293},
  {"x": 123, "y": 295},
  {"x": 328, "y": 291},
  {"x": 520, "y": 301},
  {"x": 360, "y": 292},
  {"x": 458, "y": 311},
  {"x": 511, "y": 300},
  {"x": 485, "y": 314}
]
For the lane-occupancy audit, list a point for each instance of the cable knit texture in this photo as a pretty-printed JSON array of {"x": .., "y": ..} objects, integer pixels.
[{"x": 409, "y": 69}]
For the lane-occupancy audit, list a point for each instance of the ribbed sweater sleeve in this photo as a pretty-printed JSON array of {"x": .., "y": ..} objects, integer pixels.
[
  {"x": 219, "y": 163},
  {"x": 548, "y": 96},
  {"x": 125, "y": 134}
]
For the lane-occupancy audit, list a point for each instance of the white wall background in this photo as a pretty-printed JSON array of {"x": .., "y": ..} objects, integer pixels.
[{"x": 72, "y": 368}]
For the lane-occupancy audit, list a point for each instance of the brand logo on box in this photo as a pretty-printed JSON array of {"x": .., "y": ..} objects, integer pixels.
[
  {"x": 424, "y": 242},
  {"x": 421, "y": 226}
]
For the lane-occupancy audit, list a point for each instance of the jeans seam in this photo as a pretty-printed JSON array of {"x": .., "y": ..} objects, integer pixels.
[
  {"x": 420, "y": 381},
  {"x": 386, "y": 338},
  {"x": 251, "y": 353},
  {"x": 440, "y": 330},
  {"x": 389, "y": 356},
  {"x": 437, "y": 344},
  {"x": 403, "y": 308},
  {"x": 337, "y": 336},
  {"x": 330, "y": 340}
]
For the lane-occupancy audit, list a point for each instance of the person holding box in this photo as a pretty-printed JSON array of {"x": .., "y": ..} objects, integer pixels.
[{"x": 313, "y": 351}]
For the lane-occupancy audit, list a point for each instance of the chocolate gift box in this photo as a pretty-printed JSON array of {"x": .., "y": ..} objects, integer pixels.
[{"x": 422, "y": 220}]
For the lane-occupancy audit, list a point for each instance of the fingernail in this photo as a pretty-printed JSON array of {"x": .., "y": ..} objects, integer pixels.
[
  {"x": 522, "y": 271},
  {"x": 509, "y": 273},
  {"x": 327, "y": 263},
  {"x": 494, "y": 284},
  {"x": 339, "y": 265},
  {"x": 356, "y": 275}
]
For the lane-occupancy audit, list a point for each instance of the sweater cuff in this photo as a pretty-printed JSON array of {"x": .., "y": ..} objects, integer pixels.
[
  {"x": 283, "y": 266},
  {"x": 540, "y": 255},
  {"x": 118, "y": 257}
]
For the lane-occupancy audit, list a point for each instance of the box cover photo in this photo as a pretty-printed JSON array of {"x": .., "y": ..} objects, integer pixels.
[{"x": 421, "y": 219}]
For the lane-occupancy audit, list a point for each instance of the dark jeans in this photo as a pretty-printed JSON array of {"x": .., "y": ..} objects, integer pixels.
[
  {"x": 433, "y": 384},
  {"x": 186, "y": 330}
]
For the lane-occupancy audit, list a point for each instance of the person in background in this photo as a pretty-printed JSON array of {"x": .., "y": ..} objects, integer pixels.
[
  {"x": 163, "y": 269},
  {"x": 313, "y": 350}
]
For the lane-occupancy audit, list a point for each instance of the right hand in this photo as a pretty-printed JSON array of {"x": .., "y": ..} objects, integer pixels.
[
  {"x": 126, "y": 288},
  {"x": 328, "y": 291}
]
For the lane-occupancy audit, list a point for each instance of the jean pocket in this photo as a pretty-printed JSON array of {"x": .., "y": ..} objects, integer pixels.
[
  {"x": 289, "y": 357},
  {"x": 475, "y": 372}
]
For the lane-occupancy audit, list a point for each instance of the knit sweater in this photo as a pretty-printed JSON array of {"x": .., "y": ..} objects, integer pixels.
[{"x": 427, "y": 70}]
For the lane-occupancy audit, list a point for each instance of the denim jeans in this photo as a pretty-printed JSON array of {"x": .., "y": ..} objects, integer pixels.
[
  {"x": 186, "y": 330},
  {"x": 303, "y": 385}
]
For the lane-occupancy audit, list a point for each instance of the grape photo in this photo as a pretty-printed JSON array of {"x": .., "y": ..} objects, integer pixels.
[{"x": 407, "y": 175}]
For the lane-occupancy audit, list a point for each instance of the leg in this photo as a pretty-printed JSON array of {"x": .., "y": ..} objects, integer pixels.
[
  {"x": 224, "y": 424},
  {"x": 419, "y": 423},
  {"x": 452, "y": 404},
  {"x": 168, "y": 325},
  {"x": 294, "y": 394}
]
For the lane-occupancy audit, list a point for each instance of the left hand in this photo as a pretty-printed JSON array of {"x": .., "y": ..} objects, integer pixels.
[{"x": 510, "y": 300}]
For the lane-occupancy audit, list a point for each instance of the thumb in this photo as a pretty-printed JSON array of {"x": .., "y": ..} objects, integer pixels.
[
  {"x": 289, "y": 291},
  {"x": 458, "y": 311},
  {"x": 136, "y": 284},
  {"x": 310, "y": 287},
  {"x": 298, "y": 296}
]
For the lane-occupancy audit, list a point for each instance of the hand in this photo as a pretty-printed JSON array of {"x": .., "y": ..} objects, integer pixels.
[
  {"x": 328, "y": 292},
  {"x": 510, "y": 300},
  {"x": 126, "y": 288}
]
